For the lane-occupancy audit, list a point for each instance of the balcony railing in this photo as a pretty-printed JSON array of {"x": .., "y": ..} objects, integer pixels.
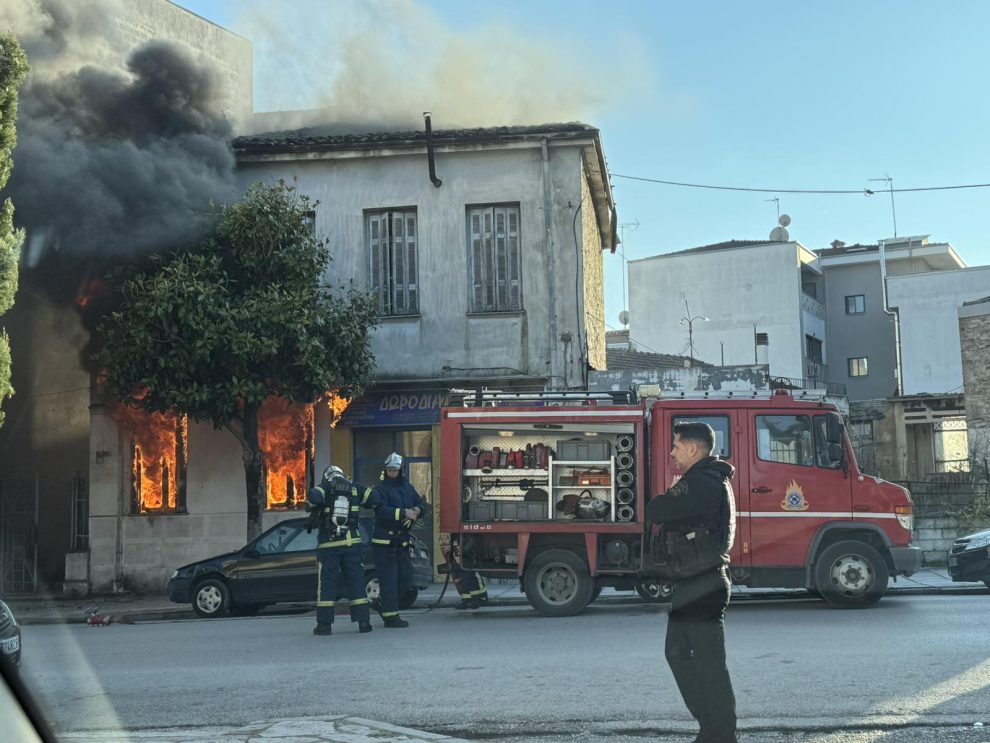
[{"x": 836, "y": 389}]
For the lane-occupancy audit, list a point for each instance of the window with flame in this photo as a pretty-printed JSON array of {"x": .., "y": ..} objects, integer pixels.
[
  {"x": 285, "y": 433},
  {"x": 393, "y": 270},
  {"x": 494, "y": 258},
  {"x": 157, "y": 444}
]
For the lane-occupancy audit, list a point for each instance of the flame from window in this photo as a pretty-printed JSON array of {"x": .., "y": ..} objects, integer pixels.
[
  {"x": 337, "y": 407},
  {"x": 157, "y": 442},
  {"x": 285, "y": 434}
]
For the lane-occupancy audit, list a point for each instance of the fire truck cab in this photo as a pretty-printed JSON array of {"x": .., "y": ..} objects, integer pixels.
[{"x": 550, "y": 488}]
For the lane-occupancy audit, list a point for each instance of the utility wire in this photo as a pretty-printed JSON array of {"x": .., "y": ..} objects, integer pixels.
[{"x": 861, "y": 191}]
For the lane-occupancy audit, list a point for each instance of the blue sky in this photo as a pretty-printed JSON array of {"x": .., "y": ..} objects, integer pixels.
[{"x": 778, "y": 95}]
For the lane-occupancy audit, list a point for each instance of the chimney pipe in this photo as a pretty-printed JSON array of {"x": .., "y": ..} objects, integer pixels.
[{"x": 429, "y": 150}]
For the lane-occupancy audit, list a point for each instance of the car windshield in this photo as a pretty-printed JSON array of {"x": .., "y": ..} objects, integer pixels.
[{"x": 508, "y": 371}]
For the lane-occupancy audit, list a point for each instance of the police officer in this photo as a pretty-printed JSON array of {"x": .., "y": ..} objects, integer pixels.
[
  {"x": 695, "y": 645},
  {"x": 334, "y": 507},
  {"x": 399, "y": 506}
]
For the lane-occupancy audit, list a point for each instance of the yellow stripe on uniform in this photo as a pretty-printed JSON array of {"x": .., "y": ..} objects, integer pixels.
[{"x": 358, "y": 602}]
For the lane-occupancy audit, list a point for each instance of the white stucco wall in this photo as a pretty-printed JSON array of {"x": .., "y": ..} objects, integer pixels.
[
  {"x": 445, "y": 334},
  {"x": 735, "y": 288},
  {"x": 927, "y": 306}
]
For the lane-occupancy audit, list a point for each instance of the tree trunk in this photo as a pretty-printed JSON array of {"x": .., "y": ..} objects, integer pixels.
[{"x": 253, "y": 471}]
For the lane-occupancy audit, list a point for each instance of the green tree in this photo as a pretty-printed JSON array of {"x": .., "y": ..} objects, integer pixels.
[
  {"x": 212, "y": 333},
  {"x": 13, "y": 68}
]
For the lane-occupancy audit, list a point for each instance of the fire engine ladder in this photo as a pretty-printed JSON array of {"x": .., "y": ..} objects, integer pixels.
[
  {"x": 483, "y": 397},
  {"x": 653, "y": 391}
]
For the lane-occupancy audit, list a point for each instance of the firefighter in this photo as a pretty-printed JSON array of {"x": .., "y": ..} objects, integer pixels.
[
  {"x": 399, "y": 506},
  {"x": 470, "y": 585},
  {"x": 701, "y": 499},
  {"x": 334, "y": 507}
]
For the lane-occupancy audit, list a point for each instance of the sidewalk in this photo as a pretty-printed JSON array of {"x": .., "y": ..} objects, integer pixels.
[{"x": 126, "y": 607}]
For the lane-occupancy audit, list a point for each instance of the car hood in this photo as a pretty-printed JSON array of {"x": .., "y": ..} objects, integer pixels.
[
  {"x": 975, "y": 534},
  {"x": 215, "y": 560}
]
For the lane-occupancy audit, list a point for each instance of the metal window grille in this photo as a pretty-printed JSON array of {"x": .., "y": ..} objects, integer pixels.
[
  {"x": 80, "y": 514},
  {"x": 495, "y": 259},
  {"x": 393, "y": 267}
]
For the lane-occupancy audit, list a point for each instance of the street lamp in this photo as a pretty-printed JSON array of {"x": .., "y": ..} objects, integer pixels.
[{"x": 689, "y": 321}]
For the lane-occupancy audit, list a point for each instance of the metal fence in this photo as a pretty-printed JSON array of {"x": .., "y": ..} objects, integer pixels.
[
  {"x": 947, "y": 493},
  {"x": 18, "y": 536}
]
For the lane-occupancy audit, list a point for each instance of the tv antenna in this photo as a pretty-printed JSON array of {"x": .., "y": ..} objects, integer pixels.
[
  {"x": 890, "y": 187},
  {"x": 776, "y": 201},
  {"x": 622, "y": 252}
]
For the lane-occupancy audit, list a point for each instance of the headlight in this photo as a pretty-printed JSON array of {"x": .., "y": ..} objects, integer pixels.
[
  {"x": 979, "y": 543},
  {"x": 6, "y": 615}
]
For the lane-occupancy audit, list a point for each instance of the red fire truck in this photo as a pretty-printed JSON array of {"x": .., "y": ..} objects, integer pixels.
[{"x": 551, "y": 489}]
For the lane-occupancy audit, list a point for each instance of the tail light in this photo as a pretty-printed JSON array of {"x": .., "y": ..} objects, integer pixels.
[{"x": 905, "y": 516}]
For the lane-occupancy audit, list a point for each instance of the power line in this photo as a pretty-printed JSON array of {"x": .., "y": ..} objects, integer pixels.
[{"x": 861, "y": 191}]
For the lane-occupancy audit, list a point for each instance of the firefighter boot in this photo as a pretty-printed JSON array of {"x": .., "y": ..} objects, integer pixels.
[
  {"x": 396, "y": 621},
  {"x": 322, "y": 629},
  {"x": 364, "y": 627}
]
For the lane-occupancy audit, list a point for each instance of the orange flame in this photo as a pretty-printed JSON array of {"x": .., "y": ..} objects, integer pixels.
[
  {"x": 337, "y": 406},
  {"x": 285, "y": 434},
  {"x": 89, "y": 290},
  {"x": 159, "y": 445}
]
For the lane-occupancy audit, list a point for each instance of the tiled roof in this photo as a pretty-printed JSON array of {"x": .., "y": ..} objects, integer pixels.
[
  {"x": 330, "y": 137},
  {"x": 623, "y": 358}
]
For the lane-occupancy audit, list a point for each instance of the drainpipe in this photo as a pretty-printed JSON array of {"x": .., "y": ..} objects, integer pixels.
[
  {"x": 429, "y": 150},
  {"x": 551, "y": 293},
  {"x": 898, "y": 374}
]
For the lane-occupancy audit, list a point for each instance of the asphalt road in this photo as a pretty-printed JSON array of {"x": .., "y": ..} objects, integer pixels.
[{"x": 911, "y": 666}]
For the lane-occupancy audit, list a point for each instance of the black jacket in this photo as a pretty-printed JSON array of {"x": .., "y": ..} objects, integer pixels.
[{"x": 702, "y": 497}]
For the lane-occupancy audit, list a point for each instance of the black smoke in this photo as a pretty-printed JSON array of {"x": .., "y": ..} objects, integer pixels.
[{"x": 114, "y": 164}]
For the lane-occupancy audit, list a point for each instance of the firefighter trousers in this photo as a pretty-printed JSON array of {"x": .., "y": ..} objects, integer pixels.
[
  {"x": 695, "y": 650},
  {"x": 394, "y": 566},
  {"x": 336, "y": 563}
]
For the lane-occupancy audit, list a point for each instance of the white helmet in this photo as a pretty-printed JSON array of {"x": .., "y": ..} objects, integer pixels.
[
  {"x": 393, "y": 462},
  {"x": 332, "y": 472}
]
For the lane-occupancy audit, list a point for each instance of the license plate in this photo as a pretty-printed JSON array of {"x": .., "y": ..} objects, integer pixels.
[{"x": 10, "y": 645}]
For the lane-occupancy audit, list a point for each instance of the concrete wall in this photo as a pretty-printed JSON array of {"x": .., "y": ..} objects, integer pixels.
[
  {"x": 935, "y": 535},
  {"x": 444, "y": 334},
  {"x": 929, "y": 325},
  {"x": 870, "y": 334},
  {"x": 974, "y": 343},
  {"x": 736, "y": 288}
]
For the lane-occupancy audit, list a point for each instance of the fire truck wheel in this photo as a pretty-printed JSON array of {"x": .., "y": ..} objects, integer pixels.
[
  {"x": 558, "y": 584},
  {"x": 851, "y": 575},
  {"x": 659, "y": 593},
  {"x": 595, "y": 594},
  {"x": 211, "y": 598}
]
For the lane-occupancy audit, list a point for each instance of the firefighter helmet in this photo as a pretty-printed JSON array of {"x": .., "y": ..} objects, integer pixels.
[
  {"x": 332, "y": 472},
  {"x": 393, "y": 462}
]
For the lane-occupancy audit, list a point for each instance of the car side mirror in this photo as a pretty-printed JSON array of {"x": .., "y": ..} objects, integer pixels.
[{"x": 837, "y": 454}]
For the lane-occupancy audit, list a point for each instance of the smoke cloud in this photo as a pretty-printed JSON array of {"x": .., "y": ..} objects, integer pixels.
[
  {"x": 384, "y": 62},
  {"x": 120, "y": 149}
]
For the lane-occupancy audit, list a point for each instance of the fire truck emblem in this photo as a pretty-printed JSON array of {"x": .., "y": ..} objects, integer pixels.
[{"x": 794, "y": 498}]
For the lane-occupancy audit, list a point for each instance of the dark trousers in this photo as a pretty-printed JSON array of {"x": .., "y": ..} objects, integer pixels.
[
  {"x": 695, "y": 650},
  {"x": 394, "y": 566},
  {"x": 334, "y": 563},
  {"x": 469, "y": 585}
]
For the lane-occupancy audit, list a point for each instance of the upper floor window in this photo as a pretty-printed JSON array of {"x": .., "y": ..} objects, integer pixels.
[
  {"x": 394, "y": 273},
  {"x": 494, "y": 258},
  {"x": 813, "y": 349},
  {"x": 858, "y": 367},
  {"x": 855, "y": 304}
]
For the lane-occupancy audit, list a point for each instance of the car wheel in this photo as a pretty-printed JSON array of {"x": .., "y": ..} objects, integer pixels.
[
  {"x": 851, "y": 575},
  {"x": 557, "y": 583},
  {"x": 373, "y": 590},
  {"x": 986, "y": 582},
  {"x": 408, "y": 599},
  {"x": 654, "y": 591},
  {"x": 211, "y": 598}
]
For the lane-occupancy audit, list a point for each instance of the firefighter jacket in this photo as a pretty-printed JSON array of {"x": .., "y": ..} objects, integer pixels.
[
  {"x": 701, "y": 498},
  {"x": 329, "y": 534},
  {"x": 394, "y": 496}
]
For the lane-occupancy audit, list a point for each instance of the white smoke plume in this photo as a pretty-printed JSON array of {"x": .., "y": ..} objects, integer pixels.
[{"x": 378, "y": 64}]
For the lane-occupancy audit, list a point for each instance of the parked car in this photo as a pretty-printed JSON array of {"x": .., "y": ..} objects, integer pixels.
[
  {"x": 10, "y": 635},
  {"x": 969, "y": 558},
  {"x": 278, "y": 566}
]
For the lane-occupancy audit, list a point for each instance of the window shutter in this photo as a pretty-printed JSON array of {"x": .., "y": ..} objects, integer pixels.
[
  {"x": 477, "y": 262},
  {"x": 501, "y": 269},
  {"x": 396, "y": 245},
  {"x": 376, "y": 250},
  {"x": 488, "y": 253},
  {"x": 513, "y": 259}
]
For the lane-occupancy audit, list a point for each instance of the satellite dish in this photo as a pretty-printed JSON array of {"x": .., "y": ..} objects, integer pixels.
[
  {"x": 624, "y": 317},
  {"x": 784, "y": 220},
  {"x": 779, "y": 234}
]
